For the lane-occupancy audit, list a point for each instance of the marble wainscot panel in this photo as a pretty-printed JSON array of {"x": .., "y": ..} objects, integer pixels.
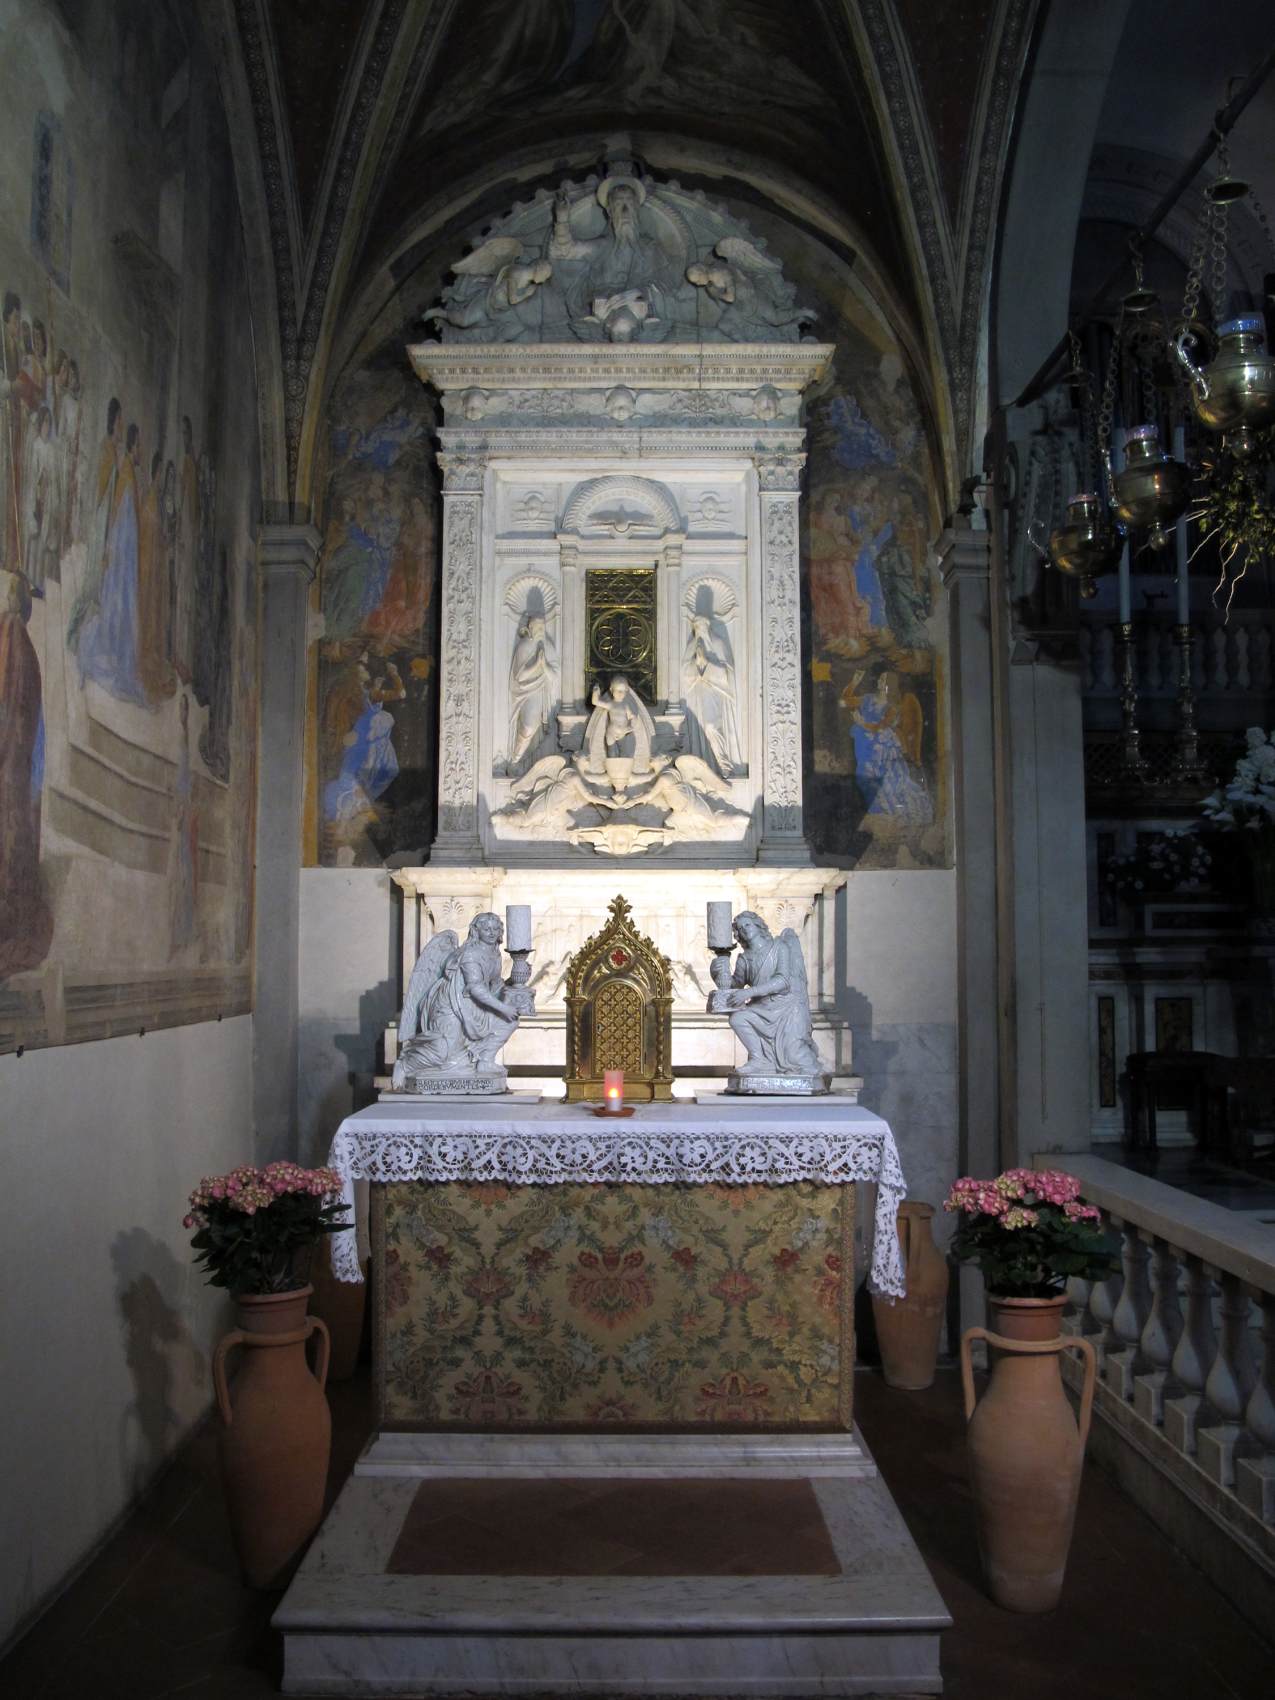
[{"x": 351, "y": 1627}]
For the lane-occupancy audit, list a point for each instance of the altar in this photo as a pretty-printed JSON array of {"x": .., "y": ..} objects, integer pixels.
[{"x": 692, "y": 1267}]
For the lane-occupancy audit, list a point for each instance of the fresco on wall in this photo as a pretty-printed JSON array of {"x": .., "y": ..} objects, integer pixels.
[
  {"x": 874, "y": 797},
  {"x": 128, "y": 454},
  {"x": 375, "y": 676}
]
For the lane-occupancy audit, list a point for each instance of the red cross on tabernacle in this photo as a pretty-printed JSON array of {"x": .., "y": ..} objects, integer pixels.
[{"x": 619, "y": 958}]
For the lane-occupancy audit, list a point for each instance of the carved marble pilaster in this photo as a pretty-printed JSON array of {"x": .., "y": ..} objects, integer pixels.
[
  {"x": 779, "y": 479},
  {"x": 457, "y": 839}
]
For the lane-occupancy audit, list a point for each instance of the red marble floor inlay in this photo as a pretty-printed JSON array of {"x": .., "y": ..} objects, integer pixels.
[{"x": 568, "y": 1527}]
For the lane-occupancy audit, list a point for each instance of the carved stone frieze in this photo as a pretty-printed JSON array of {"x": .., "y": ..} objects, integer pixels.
[
  {"x": 457, "y": 791},
  {"x": 782, "y": 651}
]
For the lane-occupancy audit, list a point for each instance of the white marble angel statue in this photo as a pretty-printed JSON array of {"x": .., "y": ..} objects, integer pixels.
[
  {"x": 495, "y": 282},
  {"x": 750, "y": 289},
  {"x": 768, "y": 1001},
  {"x": 708, "y": 690},
  {"x": 618, "y": 715},
  {"x": 533, "y": 687},
  {"x": 457, "y": 1014}
]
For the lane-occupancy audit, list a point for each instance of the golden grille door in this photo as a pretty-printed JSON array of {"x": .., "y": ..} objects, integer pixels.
[
  {"x": 619, "y": 1012},
  {"x": 619, "y": 616}
]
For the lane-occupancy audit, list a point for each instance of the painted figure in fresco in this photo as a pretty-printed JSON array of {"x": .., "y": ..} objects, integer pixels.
[
  {"x": 11, "y": 448},
  {"x": 398, "y": 620},
  {"x": 183, "y": 872},
  {"x": 842, "y": 616},
  {"x": 457, "y": 1013},
  {"x": 369, "y": 765},
  {"x": 533, "y": 687},
  {"x": 214, "y": 740},
  {"x": 769, "y": 1001},
  {"x": 887, "y": 733},
  {"x": 158, "y": 678},
  {"x": 708, "y": 690},
  {"x": 39, "y": 503},
  {"x": 67, "y": 415},
  {"x": 26, "y": 921},
  {"x": 210, "y": 633},
  {"x": 107, "y": 645},
  {"x": 188, "y": 530}
]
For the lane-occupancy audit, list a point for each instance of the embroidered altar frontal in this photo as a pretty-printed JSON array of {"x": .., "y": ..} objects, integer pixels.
[{"x": 621, "y": 1306}]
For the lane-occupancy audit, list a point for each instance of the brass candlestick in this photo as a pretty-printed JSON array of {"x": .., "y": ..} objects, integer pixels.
[{"x": 1132, "y": 759}]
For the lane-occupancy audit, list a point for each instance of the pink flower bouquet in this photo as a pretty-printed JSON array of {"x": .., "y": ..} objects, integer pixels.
[
  {"x": 253, "y": 1226},
  {"x": 1028, "y": 1232}
]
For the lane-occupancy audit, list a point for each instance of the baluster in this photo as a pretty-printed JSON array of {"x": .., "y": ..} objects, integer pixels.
[
  {"x": 1161, "y": 1334},
  {"x": 1076, "y": 1316},
  {"x": 1230, "y": 1382},
  {"x": 1255, "y": 1477},
  {"x": 1192, "y": 1356},
  {"x": 1131, "y": 1312},
  {"x": 1217, "y": 658},
  {"x": 1260, "y": 659},
  {"x": 1243, "y": 678},
  {"x": 1103, "y": 1297}
]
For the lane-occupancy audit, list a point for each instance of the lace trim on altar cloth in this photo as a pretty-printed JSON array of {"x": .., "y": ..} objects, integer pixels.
[{"x": 650, "y": 1158}]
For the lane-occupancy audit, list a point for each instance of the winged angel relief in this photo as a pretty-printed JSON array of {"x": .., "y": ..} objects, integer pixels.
[{"x": 619, "y": 259}]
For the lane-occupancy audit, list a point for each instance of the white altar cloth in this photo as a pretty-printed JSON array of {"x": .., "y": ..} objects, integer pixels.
[{"x": 812, "y": 1139}]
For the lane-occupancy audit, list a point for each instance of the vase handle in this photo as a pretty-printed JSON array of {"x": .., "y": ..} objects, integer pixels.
[
  {"x": 236, "y": 1337},
  {"x": 325, "y": 1350},
  {"x": 1064, "y": 1343},
  {"x": 1085, "y": 1348}
]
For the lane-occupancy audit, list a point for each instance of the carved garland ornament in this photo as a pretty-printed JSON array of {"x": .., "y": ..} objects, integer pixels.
[
  {"x": 457, "y": 813},
  {"x": 783, "y": 665}
]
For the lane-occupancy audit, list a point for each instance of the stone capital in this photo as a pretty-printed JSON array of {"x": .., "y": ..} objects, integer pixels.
[
  {"x": 463, "y": 474},
  {"x": 962, "y": 553},
  {"x": 288, "y": 550},
  {"x": 779, "y": 473}
]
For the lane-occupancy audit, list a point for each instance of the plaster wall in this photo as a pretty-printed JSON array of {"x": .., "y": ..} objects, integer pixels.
[{"x": 106, "y": 1331}]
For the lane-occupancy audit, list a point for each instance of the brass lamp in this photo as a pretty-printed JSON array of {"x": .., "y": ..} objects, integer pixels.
[
  {"x": 1235, "y": 392},
  {"x": 1085, "y": 546},
  {"x": 1152, "y": 488}
]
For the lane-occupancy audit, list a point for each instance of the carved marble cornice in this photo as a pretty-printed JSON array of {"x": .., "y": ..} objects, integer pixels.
[
  {"x": 597, "y": 365},
  {"x": 585, "y": 446}
]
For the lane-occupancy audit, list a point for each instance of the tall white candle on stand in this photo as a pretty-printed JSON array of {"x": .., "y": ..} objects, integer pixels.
[
  {"x": 1184, "y": 580},
  {"x": 720, "y": 932},
  {"x": 1117, "y": 466},
  {"x": 517, "y": 926}
]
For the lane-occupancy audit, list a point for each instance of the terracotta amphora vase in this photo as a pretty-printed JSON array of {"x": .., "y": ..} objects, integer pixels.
[
  {"x": 276, "y": 1433},
  {"x": 908, "y": 1329},
  {"x": 1025, "y": 1450}
]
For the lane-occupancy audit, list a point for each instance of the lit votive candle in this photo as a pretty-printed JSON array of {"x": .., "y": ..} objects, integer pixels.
[
  {"x": 613, "y": 1089},
  {"x": 720, "y": 935},
  {"x": 517, "y": 926}
]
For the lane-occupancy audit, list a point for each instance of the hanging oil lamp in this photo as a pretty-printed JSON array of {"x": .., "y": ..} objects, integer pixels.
[
  {"x": 1152, "y": 488},
  {"x": 1085, "y": 546},
  {"x": 1235, "y": 392}
]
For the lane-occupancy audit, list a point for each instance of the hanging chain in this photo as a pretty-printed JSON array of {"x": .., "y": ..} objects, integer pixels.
[{"x": 1088, "y": 419}]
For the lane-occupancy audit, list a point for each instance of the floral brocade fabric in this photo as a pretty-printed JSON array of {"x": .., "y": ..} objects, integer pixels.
[{"x": 514, "y": 1307}]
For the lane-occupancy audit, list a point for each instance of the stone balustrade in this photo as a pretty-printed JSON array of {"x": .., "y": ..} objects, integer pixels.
[{"x": 1184, "y": 1331}]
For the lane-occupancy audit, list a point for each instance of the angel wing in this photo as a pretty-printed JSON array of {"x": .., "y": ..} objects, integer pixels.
[
  {"x": 738, "y": 251},
  {"x": 425, "y": 976},
  {"x": 486, "y": 261},
  {"x": 697, "y": 772},
  {"x": 642, "y": 712},
  {"x": 795, "y": 965}
]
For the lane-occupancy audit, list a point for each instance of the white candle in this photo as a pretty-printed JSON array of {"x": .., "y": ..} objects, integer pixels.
[
  {"x": 720, "y": 932},
  {"x": 1184, "y": 579},
  {"x": 613, "y": 1089},
  {"x": 517, "y": 926},
  {"x": 1117, "y": 467}
]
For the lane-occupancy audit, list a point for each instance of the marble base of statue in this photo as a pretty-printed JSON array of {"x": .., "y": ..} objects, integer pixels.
[
  {"x": 451, "y": 1083},
  {"x": 778, "y": 1085}
]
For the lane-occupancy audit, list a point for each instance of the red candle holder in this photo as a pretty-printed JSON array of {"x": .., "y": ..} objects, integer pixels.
[{"x": 613, "y": 1095}]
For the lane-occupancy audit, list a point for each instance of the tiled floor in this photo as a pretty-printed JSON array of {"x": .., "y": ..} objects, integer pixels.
[{"x": 160, "y": 1612}]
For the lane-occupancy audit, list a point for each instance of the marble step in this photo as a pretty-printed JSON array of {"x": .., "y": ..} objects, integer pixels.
[
  {"x": 811, "y": 1454},
  {"x": 352, "y": 1627}
]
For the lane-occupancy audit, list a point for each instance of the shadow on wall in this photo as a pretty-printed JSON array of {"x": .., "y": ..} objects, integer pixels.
[
  {"x": 162, "y": 1357},
  {"x": 339, "y": 1068}
]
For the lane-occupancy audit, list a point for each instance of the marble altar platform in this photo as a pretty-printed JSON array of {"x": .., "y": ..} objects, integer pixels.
[{"x": 508, "y": 1555}]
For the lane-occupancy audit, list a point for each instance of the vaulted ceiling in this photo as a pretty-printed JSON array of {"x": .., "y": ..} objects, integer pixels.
[{"x": 886, "y": 120}]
